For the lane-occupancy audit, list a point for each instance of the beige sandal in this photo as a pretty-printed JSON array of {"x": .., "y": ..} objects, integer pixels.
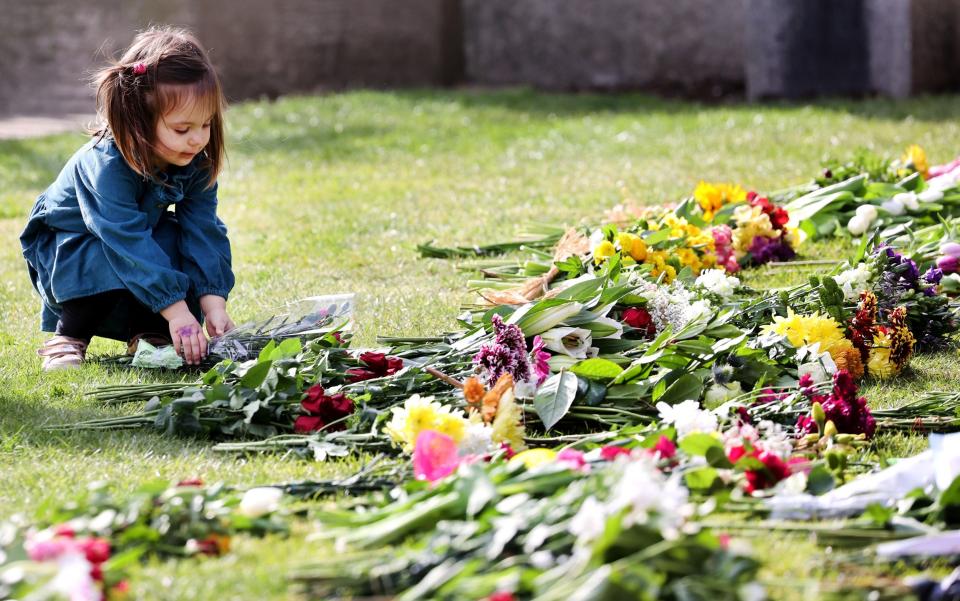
[{"x": 62, "y": 352}]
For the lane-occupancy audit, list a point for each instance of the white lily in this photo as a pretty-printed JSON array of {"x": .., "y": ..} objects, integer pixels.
[
  {"x": 573, "y": 342},
  {"x": 541, "y": 321}
]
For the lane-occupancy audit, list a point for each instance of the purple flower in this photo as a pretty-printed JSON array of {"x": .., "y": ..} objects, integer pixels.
[
  {"x": 933, "y": 275},
  {"x": 763, "y": 250},
  {"x": 540, "y": 359},
  {"x": 507, "y": 354}
]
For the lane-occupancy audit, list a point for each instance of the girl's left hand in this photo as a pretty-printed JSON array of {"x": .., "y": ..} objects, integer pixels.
[{"x": 218, "y": 323}]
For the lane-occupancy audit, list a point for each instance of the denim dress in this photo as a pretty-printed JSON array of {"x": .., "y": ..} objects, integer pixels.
[{"x": 100, "y": 226}]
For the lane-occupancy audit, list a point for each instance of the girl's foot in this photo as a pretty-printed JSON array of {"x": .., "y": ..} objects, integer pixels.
[
  {"x": 63, "y": 352},
  {"x": 154, "y": 338}
]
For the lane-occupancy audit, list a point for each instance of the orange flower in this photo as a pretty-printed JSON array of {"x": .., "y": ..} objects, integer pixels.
[
  {"x": 849, "y": 359},
  {"x": 486, "y": 402}
]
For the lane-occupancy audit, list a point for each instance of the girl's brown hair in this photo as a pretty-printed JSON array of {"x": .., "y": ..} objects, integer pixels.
[{"x": 162, "y": 68}]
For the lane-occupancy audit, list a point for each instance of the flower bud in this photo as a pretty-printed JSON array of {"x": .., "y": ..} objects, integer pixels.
[
  {"x": 949, "y": 264},
  {"x": 829, "y": 430},
  {"x": 857, "y": 225},
  {"x": 893, "y": 206},
  {"x": 258, "y": 502},
  {"x": 950, "y": 248},
  {"x": 819, "y": 416},
  {"x": 868, "y": 212}
]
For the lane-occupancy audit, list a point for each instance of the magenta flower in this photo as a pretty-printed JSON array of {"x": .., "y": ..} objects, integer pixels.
[
  {"x": 435, "y": 456},
  {"x": 540, "y": 360},
  {"x": 573, "y": 459},
  {"x": 507, "y": 354}
]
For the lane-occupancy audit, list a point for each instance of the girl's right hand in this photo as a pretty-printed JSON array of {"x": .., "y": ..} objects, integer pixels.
[{"x": 188, "y": 339}]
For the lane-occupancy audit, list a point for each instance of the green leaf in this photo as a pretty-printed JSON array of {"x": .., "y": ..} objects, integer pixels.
[
  {"x": 717, "y": 458},
  {"x": 554, "y": 398},
  {"x": 698, "y": 444},
  {"x": 590, "y": 392},
  {"x": 290, "y": 347},
  {"x": 597, "y": 369},
  {"x": 687, "y": 387},
  {"x": 701, "y": 478},
  {"x": 266, "y": 351},
  {"x": 256, "y": 374}
]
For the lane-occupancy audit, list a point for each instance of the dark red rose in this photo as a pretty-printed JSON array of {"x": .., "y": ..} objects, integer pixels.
[
  {"x": 307, "y": 423},
  {"x": 315, "y": 395},
  {"x": 96, "y": 572},
  {"x": 775, "y": 470},
  {"x": 208, "y": 546},
  {"x": 378, "y": 365},
  {"x": 190, "y": 482},
  {"x": 779, "y": 218}
]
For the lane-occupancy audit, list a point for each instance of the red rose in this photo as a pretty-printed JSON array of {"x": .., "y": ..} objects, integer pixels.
[
  {"x": 378, "y": 365},
  {"x": 640, "y": 320},
  {"x": 190, "y": 482},
  {"x": 307, "y": 423},
  {"x": 96, "y": 572},
  {"x": 208, "y": 546},
  {"x": 774, "y": 469},
  {"x": 501, "y": 596},
  {"x": 750, "y": 196},
  {"x": 64, "y": 530},
  {"x": 315, "y": 396}
]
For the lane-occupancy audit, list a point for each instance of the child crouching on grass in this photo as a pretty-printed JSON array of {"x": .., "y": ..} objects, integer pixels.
[{"x": 103, "y": 251}]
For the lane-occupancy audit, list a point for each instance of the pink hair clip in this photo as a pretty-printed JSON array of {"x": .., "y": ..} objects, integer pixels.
[{"x": 139, "y": 69}]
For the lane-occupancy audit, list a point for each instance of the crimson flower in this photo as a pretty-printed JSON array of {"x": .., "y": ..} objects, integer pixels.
[
  {"x": 609, "y": 452},
  {"x": 377, "y": 365},
  {"x": 502, "y": 596},
  {"x": 322, "y": 409},
  {"x": 641, "y": 320},
  {"x": 96, "y": 550},
  {"x": 774, "y": 469},
  {"x": 664, "y": 448}
]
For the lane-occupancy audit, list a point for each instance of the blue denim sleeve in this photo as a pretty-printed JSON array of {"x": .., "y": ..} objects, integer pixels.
[
  {"x": 107, "y": 194},
  {"x": 204, "y": 246}
]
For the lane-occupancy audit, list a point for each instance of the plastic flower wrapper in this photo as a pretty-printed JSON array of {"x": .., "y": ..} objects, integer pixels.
[
  {"x": 152, "y": 357},
  {"x": 305, "y": 318}
]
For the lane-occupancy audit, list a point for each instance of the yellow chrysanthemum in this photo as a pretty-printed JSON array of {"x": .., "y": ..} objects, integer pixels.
[
  {"x": 916, "y": 157},
  {"x": 801, "y": 330},
  {"x": 603, "y": 251},
  {"x": 423, "y": 413},
  {"x": 878, "y": 363},
  {"x": 712, "y": 197},
  {"x": 633, "y": 246}
]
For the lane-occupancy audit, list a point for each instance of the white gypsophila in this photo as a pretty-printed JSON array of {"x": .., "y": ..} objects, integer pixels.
[
  {"x": 477, "y": 440},
  {"x": 853, "y": 281},
  {"x": 674, "y": 306},
  {"x": 687, "y": 417},
  {"x": 718, "y": 282},
  {"x": 643, "y": 491}
]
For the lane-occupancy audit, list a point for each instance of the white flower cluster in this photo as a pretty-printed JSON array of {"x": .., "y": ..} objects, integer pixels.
[
  {"x": 675, "y": 306},
  {"x": 642, "y": 494},
  {"x": 854, "y": 281},
  {"x": 687, "y": 417},
  {"x": 718, "y": 282}
]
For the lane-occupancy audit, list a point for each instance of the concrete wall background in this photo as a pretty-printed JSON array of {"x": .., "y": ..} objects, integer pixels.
[{"x": 700, "y": 48}]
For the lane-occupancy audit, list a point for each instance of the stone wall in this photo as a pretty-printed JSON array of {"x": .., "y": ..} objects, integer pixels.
[
  {"x": 49, "y": 47},
  {"x": 691, "y": 46},
  {"x": 699, "y": 48}
]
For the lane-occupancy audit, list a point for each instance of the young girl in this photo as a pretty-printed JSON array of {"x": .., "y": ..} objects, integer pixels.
[{"x": 103, "y": 251}]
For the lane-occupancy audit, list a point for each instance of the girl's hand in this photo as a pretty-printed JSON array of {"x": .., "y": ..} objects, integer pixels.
[
  {"x": 218, "y": 322},
  {"x": 186, "y": 333}
]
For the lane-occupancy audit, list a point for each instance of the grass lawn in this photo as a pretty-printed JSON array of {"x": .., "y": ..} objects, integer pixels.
[{"x": 332, "y": 193}]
